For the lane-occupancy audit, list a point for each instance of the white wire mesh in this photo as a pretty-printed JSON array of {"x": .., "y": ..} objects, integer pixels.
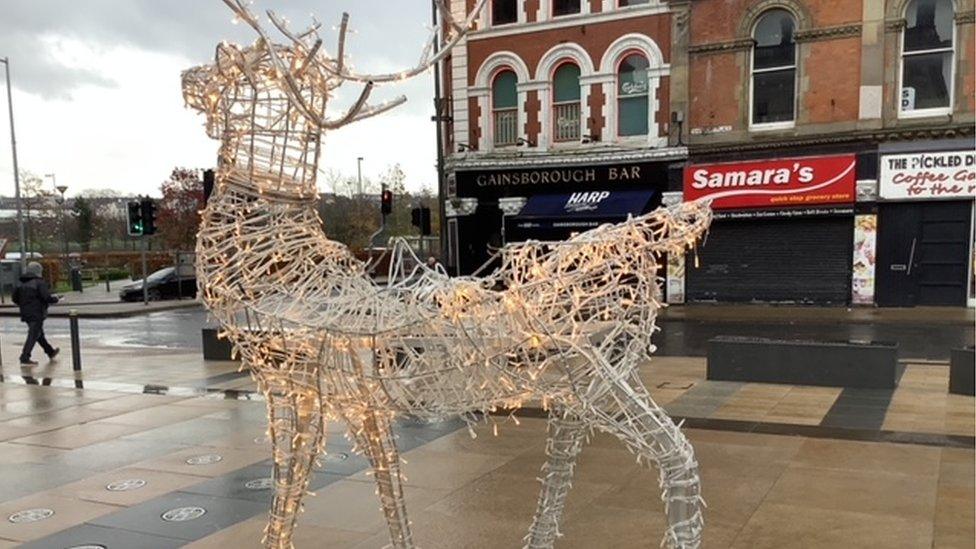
[{"x": 561, "y": 324}]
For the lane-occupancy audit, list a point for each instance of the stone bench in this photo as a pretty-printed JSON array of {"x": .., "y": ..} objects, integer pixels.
[
  {"x": 962, "y": 367},
  {"x": 215, "y": 348},
  {"x": 868, "y": 365}
]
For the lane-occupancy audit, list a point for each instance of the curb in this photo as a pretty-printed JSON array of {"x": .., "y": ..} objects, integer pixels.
[{"x": 90, "y": 310}]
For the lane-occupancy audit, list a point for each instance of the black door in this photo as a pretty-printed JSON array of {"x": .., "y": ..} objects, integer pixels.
[
  {"x": 923, "y": 250},
  {"x": 799, "y": 260}
]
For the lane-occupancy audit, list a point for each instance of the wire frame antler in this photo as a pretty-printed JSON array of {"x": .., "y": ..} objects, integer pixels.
[{"x": 338, "y": 69}]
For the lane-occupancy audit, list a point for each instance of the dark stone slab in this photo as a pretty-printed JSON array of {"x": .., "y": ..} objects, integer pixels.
[
  {"x": 962, "y": 367},
  {"x": 253, "y": 484},
  {"x": 215, "y": 348},
  {"x": 110, "y": 538},
  {"x": 865, "y": 365},
  {"x": 146, "y": 518}
]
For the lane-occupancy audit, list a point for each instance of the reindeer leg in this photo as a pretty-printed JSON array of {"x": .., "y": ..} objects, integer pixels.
[
  {"x": 374, "y": 435},
  {"x": 297, "y": 434},
  {"x": 629, "y": 412},
  {"x": 563, "y": 445}
]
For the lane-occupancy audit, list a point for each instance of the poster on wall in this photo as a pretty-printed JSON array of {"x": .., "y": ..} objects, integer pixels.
[
  {"x": 777, "y": 183},
  {"x": 865, "y": 254},
  {"x": 928, "y": 176},
  {"x": 676, "y": 279}
]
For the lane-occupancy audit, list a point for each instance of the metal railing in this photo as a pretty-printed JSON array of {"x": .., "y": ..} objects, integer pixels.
[
  {"x": 506, "y": 126},
  {"x": 566, "y": 121}
]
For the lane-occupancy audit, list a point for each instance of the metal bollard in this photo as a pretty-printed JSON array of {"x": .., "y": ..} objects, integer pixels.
[{"x": 75, "y": 341}]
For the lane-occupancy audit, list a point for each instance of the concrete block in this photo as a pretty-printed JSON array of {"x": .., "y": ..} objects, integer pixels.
[{"x": 869, "y": 365}]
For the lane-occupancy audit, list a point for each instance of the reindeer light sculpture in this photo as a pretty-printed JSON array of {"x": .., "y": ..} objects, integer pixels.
[{"x": 568, "y": 328}]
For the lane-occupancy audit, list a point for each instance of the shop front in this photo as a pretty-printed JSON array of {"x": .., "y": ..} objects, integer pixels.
[
  {"x": 498, "y": 205},
  {"x": 783, "y": 231},
  {"x": 925, "y": 227}
]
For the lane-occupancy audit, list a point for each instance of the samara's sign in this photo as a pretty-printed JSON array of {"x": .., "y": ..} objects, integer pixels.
[
  {"x": 775, "y": 183},
  {"x": 928, "y": 176}
]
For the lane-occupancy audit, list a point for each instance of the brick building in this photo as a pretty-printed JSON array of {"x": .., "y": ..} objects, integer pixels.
[
  {"x": 836, "y": 137},
  {"x": 553, "y": 104}
]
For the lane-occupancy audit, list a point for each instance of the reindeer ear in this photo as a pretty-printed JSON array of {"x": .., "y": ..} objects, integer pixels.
[{"x": 227, "y": 57}]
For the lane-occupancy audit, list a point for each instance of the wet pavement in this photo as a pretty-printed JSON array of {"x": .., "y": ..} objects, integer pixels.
[
  {"x": 181, "y": 330},
  {"x": 178, "y": 329},
  {"x": 781, "y": 466}
]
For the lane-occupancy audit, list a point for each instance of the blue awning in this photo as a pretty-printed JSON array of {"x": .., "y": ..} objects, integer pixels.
[{"x": 582, "y": 210}]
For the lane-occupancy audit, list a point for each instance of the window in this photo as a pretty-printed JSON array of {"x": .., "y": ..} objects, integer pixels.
[
  {"x": 774, "y": 69},
  {"x": 504, "y": 107},
  {"x": 565, "y": 7},
  {"x": 625, "y": 3},
  {"x": 566, "y": 103},
  {"x": 632, "y": 95},
  {"x": 504, "y": 12},
  {"x": 927, "y": 56}
]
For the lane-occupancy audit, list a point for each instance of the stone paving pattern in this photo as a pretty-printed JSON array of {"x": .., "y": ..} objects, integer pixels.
[{"x": 823, "y": 480}]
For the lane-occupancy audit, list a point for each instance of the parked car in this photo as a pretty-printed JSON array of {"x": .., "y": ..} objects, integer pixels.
[
  {"x": 162, "y": 284},
  {"x": 30, "y": 255}
]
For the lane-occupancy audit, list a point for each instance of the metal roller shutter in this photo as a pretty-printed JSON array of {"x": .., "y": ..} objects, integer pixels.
[{"x": 788, "y": 260}]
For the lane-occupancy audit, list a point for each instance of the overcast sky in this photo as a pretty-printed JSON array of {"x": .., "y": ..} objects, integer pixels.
[{"x": 97, "y": 97}]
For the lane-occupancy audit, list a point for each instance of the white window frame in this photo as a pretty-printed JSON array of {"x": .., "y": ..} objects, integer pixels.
[
  {"x": 482, "y": 91},
  {"x": 615, "y": 110},
  {"x": 607, "y": 78},
  {"x": 784, "y": 124},
  {"x": 935, "y": 111},
  {"x": 550, "y": 61},
  {"x": 581, "y": 123},
  {"x": 488, "y": 23},
  {"x": 492, "y": 118}
]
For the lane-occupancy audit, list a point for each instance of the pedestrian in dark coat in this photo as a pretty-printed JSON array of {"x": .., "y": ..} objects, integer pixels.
[{"x": 33, "y": 296}]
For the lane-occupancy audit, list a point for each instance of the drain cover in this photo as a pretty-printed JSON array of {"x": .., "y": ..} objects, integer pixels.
[
  {"x": 183, "y": 514},
  {"x": 30, "y": 515},
  {"x": 126, "y": 485},
  {"x": 338, "y": 456},
  {"x": 259, "y": 484},
  {"x": 206, "y": 459}
]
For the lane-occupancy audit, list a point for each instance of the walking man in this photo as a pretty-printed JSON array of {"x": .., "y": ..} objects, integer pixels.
[{"x": 33, "y": 296}]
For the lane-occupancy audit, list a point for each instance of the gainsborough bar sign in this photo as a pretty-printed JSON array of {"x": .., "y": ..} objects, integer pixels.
[
  {"x": 775, "y": 183},
  {"x": 562, "y": 178},
  {"x": 927, "y": 176}
]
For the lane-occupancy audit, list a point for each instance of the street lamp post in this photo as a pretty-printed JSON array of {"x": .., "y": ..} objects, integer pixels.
[
  {"x": 13, "y": 148},
  {"x": 61, "y": 202},
  {"x": 359, "y": 166}
]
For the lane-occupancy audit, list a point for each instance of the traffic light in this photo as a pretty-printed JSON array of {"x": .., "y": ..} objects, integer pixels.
[
  {"x": 134, "y": 218},
  {"x": 148, "y": 207},
  {"x": 386, "y": 202},
  {"x": 420, "y": 218}
]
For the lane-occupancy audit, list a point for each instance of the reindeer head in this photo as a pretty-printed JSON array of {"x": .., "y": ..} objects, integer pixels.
[{"x": 267, "y": 102}]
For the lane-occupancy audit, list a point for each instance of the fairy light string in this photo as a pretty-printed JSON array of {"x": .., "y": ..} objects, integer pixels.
[{"x": 564, "y": 325}]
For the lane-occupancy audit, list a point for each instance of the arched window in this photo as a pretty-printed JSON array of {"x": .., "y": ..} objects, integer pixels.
[
  {"x": 504, "y": 108},
  {"x": 927, "y": 56},
  {"x": 566, "y": 103},
  {"x": 504, "y": 12},
  {"x": 774, "y": 68},
  {"x": 632, "y": 95}
]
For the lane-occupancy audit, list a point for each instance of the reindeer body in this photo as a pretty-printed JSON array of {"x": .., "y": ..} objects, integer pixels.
[{"x": 324, "y": 342}]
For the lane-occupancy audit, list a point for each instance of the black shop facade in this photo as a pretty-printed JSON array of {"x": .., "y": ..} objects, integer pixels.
[{"x": 492, "y": 205}]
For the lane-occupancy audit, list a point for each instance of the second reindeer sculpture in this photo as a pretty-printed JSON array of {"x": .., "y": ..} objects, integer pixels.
[{"x": 564, "y": 324}]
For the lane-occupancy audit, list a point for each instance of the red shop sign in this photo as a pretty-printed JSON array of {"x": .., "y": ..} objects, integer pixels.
[{"x": 774, "y": 183}]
